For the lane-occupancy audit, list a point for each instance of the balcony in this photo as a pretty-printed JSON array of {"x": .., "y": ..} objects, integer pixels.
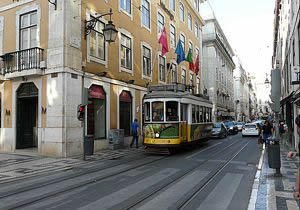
[{"x": 23, "y": 63}]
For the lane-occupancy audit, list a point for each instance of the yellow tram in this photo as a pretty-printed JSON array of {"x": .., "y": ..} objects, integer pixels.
[{"x": 173, "y": 116}]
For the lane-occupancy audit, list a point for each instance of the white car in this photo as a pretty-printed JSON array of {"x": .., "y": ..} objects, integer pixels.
[{"x": 250, "y": 129}]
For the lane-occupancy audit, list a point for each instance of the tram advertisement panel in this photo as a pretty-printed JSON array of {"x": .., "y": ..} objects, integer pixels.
[
  {"x": 163, "y": 131},
  {"x": 200, "y": 131}
]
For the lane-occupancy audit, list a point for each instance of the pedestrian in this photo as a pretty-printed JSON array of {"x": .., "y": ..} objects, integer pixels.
[
  {"x": 267, "y": 131},
  {"x": 135, "y": 136},
  {"x": 296, "y": 193},
  {"x": 281, "y": 130}
]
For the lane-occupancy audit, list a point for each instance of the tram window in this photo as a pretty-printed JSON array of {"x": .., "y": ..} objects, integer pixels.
[
  {"x": 210, "y": 115},
  {"x": 193, "y": 114},
  {"x": 147, "y": 112},
  {"x": 183, "y": 112},
  {"x": 172, "y": 110},
  {"x": 204, "y": 113},
  {"x": 201, "y": 114},
  {"x": 157, "y": 111},
  {"x": 197, "y": 114}
]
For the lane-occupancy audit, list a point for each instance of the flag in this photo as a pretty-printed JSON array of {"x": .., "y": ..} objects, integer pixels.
[
  {"x": 163, "y": 40},
  {"x": 197, "y": 67},
  {"x": 180, "y": 53},
  {"x": 190, "y": 59}
]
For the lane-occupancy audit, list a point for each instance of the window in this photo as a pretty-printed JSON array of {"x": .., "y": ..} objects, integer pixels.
[
  {"x": 96, "y": 112},
  {"x": 174, "y": 73},
  {"x": 97, "y": 42},
  {"x": 197, "y": 5},
  {"x": 198, "y": 85},
  {"x": 183, "y": 112},
  {"x": 197, "y": 114},
  {"x": 193, "y": 113},
  {"x": 191, "y": 79},
  {"x": 196, "y": 52},
  {"x": 191, "y": 46},
  {"x": 181, "y": 12},
  {"x": 160, "y": 22},
  {"x": 183, "y": 76},
  {"x": 182, "y": 39},
  {"x": 146, "y": 13},
  {"x": 125, "y": 112},
  {"x": 28, "y": 30},
  {"x": 147, "y": 111},
  {"x": 157, "y": 111},
  {"x": 126, "y": 52},
  {"x": 196, "y": 30},
  {"x": 172, "y": 5},
  {"x": 146, "y": 61},
  {"x": 126, "y": 5},
  {"x": 190, "y": 22},
  {"x": 162, "y": 68},
  {"x": 201, "y": 114},
  {"x": 173, "y": 36},
  {"x": 172, "y": 111}
]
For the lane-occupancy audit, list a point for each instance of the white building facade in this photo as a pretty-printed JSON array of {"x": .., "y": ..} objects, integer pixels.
[{"x": 241, "y": 91}]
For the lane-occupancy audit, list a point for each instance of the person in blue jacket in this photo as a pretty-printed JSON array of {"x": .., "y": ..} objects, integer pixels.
[{"x": 135, "y": 135}]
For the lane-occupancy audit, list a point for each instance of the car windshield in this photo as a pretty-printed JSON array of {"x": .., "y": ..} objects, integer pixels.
[
  {"x": 217, "y": 125},
  {"x": 250, "y": 126},
  {"x": 228, "y": 124}
]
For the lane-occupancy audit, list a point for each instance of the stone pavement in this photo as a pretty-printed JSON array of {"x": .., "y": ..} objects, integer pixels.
[
  {"x": 22, "y": 164},
  {"x": 275, "y": 193}
]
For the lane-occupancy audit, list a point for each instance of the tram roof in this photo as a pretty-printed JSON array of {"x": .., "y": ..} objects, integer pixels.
[{"x": 171, "y": 94}]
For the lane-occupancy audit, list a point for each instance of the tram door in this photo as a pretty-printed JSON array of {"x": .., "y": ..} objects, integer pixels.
[{"x": 184, "y": 121}]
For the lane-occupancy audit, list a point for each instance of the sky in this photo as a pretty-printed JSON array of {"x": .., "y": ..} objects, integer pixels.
[{"x": 248, "y": 26}]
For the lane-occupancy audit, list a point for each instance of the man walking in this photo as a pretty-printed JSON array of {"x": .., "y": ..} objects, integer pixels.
[{"x": 135, "y": 136}]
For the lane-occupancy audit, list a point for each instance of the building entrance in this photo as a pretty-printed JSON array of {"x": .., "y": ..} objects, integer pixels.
[{"x": 27, "y": 103}]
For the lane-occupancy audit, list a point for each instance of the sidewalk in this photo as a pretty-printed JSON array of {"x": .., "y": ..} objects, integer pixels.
[
  {"x": 275, "y": 193},
  {"x": 15, "y": 166}
]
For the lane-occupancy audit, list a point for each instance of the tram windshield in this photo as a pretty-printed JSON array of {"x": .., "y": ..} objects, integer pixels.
[
  {"x": 147, "y": 111},
  {"x": 172, "y": 111},
  {"x": 158, "y": 111}
]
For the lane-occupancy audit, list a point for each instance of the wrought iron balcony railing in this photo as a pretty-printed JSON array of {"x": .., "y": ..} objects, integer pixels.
[{"x": 22, "y": 60}]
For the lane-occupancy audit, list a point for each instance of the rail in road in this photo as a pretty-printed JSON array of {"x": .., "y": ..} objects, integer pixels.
[{"x": 54, "y": 186}]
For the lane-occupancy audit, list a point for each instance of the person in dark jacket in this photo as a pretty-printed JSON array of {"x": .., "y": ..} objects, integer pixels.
[
  {"x": 267, "y": 131},
  {"x": 135, "y": 136}
]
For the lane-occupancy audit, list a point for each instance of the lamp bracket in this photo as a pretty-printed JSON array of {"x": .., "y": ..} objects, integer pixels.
[
  {"x": 53, "y": 2},
  {"x": 90, "y": 24}
]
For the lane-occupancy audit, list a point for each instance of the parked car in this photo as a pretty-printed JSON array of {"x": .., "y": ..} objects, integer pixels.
[
  {"x": 219, "y": 131},
  {"x": 240, "y": 125},
  {"x": 251, "y": 129},
  {"x": 231, "y": 127}
]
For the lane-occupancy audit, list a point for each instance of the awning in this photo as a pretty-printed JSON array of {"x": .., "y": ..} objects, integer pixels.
[{"x": 289, "y": 98}]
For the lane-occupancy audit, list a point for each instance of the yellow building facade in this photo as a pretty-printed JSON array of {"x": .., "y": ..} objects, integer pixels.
[{"x": 48, "y": 55}]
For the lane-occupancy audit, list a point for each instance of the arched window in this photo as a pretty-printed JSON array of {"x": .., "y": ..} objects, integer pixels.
[
  {"x": 125, "y": 112},
  {"x": 96, "y": 112},
  {"x": 181, "y": 12}
]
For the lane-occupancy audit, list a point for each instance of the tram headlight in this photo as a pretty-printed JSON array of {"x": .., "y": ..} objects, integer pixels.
[{"x": 157, "y": 135}]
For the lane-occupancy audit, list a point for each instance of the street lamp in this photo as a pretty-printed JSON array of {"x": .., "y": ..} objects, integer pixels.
[{"x": 110, "y": 32}]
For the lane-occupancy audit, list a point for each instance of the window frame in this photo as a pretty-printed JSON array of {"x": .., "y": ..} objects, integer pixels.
[
  {"x": 173, "y": 26},
  {"x": 159, "y": 68},
  {"x": 28, "y": 27},
  {"x": 146, "y": 45},
  {"x": 174, "y": 4},
  {"x": 183, "y": 70},
  {"x": 159, "y": 23},
  {"x": 190, "y": 22},
  {"x": 128, "y": 35},
  {"x": 183, "y": 41},
  {"x": 143, "y": 15},
  {"x": 176, "y": 72},
  {"x": 181, "y": 12},
  {"x": 124, "y": 9}
]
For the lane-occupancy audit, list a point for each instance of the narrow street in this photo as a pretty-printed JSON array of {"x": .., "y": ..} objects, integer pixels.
[{"x": 216, "y": 175}]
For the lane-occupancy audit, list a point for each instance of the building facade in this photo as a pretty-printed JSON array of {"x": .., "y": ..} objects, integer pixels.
[
  {"x": 50, "y": 52},
  {"x": 218, "y": 67},
  {"x": 286, "y": 57},
  {"x": 241, "y": 91}
]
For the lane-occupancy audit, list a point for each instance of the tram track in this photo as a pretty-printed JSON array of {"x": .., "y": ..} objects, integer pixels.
[
  {"x": 35, "y": 199},
  {"x": 185, "y": 174}
]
